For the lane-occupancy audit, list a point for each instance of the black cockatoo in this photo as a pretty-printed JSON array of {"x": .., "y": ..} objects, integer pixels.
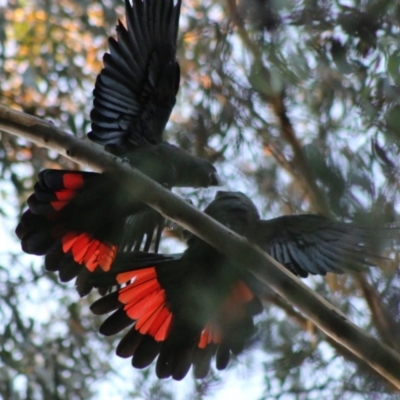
[
  {"x": 186, "y": 308},
  {"x": 79, "y": 220}
]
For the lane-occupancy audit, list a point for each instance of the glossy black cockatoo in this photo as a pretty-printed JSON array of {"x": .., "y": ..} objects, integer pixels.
[
  {"x": 186, "y": 308},
  {"x": 79, "y": 220}
]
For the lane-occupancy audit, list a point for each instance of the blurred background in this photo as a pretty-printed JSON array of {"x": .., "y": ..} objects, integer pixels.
[{"x": 298, "y": 105}]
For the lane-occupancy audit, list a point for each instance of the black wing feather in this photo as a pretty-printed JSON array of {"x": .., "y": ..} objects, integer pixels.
[
  {"x": 136, "y": 90},
  {"x": 314, "y": 244}
]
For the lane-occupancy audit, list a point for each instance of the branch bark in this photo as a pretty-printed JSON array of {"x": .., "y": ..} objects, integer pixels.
[
  {"x": 303, "y": 172},
  {"x": 329, "y": 319}
]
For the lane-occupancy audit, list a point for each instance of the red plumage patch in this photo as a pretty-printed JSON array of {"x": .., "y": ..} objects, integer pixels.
[
  {"x": 88, "y": 251},
  {"x": 144, "y": 301},
  {"x": 71, "y": 183},
  {"x": 63, "y": 198},
  {"x": 241, "y": 293},
  {"x": 210, "y": 334},
  {"x": 232, "y": 309}
]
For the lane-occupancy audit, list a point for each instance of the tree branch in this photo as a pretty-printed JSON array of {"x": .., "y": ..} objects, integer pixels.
[
  {"x": 329, "y": 319},
  {"x": 379, "y": 313},
  {"x": 305, "y": 323},
  {"x": 304, "y": 172}
]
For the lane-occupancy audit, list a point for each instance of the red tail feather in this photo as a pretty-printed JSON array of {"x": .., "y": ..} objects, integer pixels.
[
  {"x": 78, "y": 219},
  {"x": 88, "y": 251},
  {"x": 144, "y": 301},
  {"x": 232, "y": 310},
  {"x": 71, "y": 182},
  {"x": 173, "y": 332}
]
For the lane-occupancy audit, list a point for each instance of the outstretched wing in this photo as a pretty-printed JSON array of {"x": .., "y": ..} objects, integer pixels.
[
  {"x": 135, "y": 92},
  {"x": 79, "y": 220},
  {"x": 314, "y": 244},
  {"x": 170, "y": 319}
]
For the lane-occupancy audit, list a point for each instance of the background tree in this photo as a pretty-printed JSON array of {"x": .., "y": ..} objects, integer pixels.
[{"x": 298, "y": 104}]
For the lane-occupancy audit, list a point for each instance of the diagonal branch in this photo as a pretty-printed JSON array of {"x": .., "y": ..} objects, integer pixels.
[
  {"x": 329, "y": 319},
  {"x": 304, "y": 323},
  {"x": 304, "y": 172},
  {"x": 379, "y": 313}
]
